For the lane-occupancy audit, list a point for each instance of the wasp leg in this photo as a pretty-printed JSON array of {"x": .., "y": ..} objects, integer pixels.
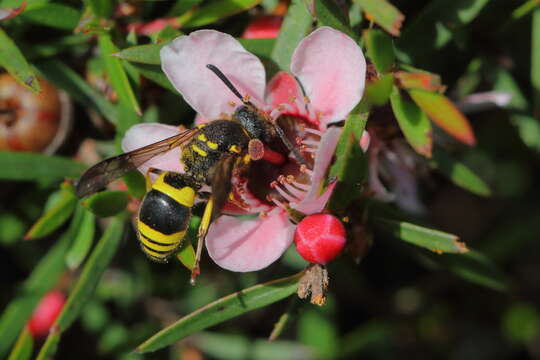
[
  {"x": 203, "y": 230},
  {"x": 147, "y": 177}
]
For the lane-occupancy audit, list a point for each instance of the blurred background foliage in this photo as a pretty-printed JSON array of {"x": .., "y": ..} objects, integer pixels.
[{"x": 400, "y": 301}]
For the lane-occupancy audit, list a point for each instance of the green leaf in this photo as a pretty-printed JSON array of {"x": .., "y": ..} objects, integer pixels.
[
  {"x": 380, "y": 49},
  {"x": 181, "y": 6},
  {"x": 82, "y": 241},
  {"x": 413, "y": 122},
  {"x": 56, "y": 215},
  {"x": 458, "y": 173},
  {"x": 436, "y": 26},
  {"x": 52, "y": 14},
  {"x": 296, "y": 24},
  {"x": 350, "y": 167},
  {"x": 37, "y": 167},
  {"x": 117, "y": 74},
  {"x": 319, "y": 333},
  {"x": 384, "y": 14},
  {"x": 154, "y": 73},
  {"x": 228, "y": 346},
  {"x": 421, "y": 80},
  {"x": 23, "y": 347},
  {"x": 472, "y": 266},
  {"x": 14, "y": 62},
  {"x": 262, "y": 48},
  {"x": 44, "y": 276},
  {"x": 215, "y": 11},
  {"x": 106, "y": 203},
  {"x": 535, "y": 59},
  {"x": 86, "y": 284},
  {"x": 65, "y": 78},
  {"x": 445, "y": 114},
  {"x": 136, "y": 183},
  {"x": 101, "y": 8},
  {"x": 328, "y": 13},
  {"x": 378, "y": 91},
  {"x": 145, "y": 54},
  {"x": 434, "y": 240},
  {"x": 222, "y": 310}
]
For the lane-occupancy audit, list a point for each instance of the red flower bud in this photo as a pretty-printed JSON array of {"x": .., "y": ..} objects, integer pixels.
[
  {"x": 46, "y": 313},
  {"x": 264, "y": 27},
  {"x": 319, "y": 238}
]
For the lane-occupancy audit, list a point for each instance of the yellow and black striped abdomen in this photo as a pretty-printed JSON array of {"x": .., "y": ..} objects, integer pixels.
[{"x": 165, "y": 213}]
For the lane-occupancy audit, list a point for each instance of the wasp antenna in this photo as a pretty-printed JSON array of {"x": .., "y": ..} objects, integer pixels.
[{"x": 228, "y": 83}]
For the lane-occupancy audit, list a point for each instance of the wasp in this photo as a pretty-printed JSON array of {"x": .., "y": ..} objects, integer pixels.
[{"x": 210, "y": 153}]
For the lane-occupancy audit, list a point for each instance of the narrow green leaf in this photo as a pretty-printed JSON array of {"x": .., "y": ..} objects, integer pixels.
[
  {"x": 421, "y": 80},
  {"x": 82, "y": 241},
  {"x": 222, "y": 310},
  {"x": 186, "y": 254},
  {"x": 44, "y": 276},
  {"x": 37, "y": 167},
  {"x": 154, "y": 73},
  {"x": 262, "y": 48},
  {"x": 413, "y": 122},
  {"x": 214, "y": 11},
  {"x": 472, "y": 266},
  {"x": 181, "y": 6},
  {"x": 106, "y": 203},
  {"x": 378, "y": 91},
  {"x": 436, "y": 26},
  {"x": 319, "y": 333},
  {"x": 49, "y": 347},
  {"x": 535, "y": 59},
  {"x": 86, "y": 284},
  {"x": 380, "y": 49},
  {"x": 328, "y": 13},
  {"x": 524, "y": 9},
  {"x": 101, "y": 8},
  {"x": 145, "y": 54},
  {"x": 56, "y": 215},
  {"x": 65, "y": 78},
  {"x": 445, "y": 114},
  {"x": 52, "y": 14},
  {"x": 383, "y": 14},
  {"x": 14, "y": 62},
  {"x": 23, "y": 347},
  {"x": 294, "y": 28},
  {"x": 116, "y": 74},
  {"x": 434, "y": 240},
  {"x": 458, "y": 173},
  {"x": 350, "y": 167}
]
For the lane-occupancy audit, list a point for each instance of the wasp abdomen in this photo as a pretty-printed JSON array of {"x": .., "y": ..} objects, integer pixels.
[{"x": 164, "y": 215}]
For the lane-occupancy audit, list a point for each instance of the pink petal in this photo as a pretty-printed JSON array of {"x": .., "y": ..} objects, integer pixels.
[
  {"x": 144, "y": 134},
  {"x": 244, "y": 245},
  {"x": 282, "y": 89},
  {"x": 332, "y": 69},
  {"x": 313, "y": 202},
  {"x": 200, "y": 120},
  {"x": 184, "y": 62}
]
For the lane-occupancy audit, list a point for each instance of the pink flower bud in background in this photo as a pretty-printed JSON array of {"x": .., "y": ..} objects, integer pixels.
[
  {"x": 319, "y": 238},
  {"x": 264, "y": 27},
  {"x": 46, "y": 313}
]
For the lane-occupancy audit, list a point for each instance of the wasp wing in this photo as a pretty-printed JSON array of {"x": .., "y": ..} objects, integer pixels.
[
  {"x": 221, "y": 182},
  {"x": 99, "y": 175}
]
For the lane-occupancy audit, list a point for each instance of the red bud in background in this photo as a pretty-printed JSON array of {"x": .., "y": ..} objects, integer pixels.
[
  {"x": 319, "y": 238},
  {"x": 46, "y": 313},
  {"x": 264, "y": 27}
]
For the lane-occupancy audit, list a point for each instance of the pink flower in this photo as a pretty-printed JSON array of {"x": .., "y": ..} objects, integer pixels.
[{"x": 331, "y": 69}]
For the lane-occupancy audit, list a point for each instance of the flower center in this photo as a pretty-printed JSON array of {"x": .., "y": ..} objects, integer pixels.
[{"x": 282, "y": 183}]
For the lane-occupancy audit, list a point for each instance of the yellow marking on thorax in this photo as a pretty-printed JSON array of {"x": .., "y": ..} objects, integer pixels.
[
  {"x": 199, "y": 151},
  {"x": 246, "y": 159},
  {"x": 235, "y": 149},
  {"x": 202, "y": 137},
  {"x": 212, "y": 145},
  {"x": 200, "y": 126},
  {"x": 155, "y": 235},
  {"x": 184, "y": 196}
]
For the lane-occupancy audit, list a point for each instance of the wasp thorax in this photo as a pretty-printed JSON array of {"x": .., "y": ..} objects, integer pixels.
[{"x": 255, "y": 123}]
